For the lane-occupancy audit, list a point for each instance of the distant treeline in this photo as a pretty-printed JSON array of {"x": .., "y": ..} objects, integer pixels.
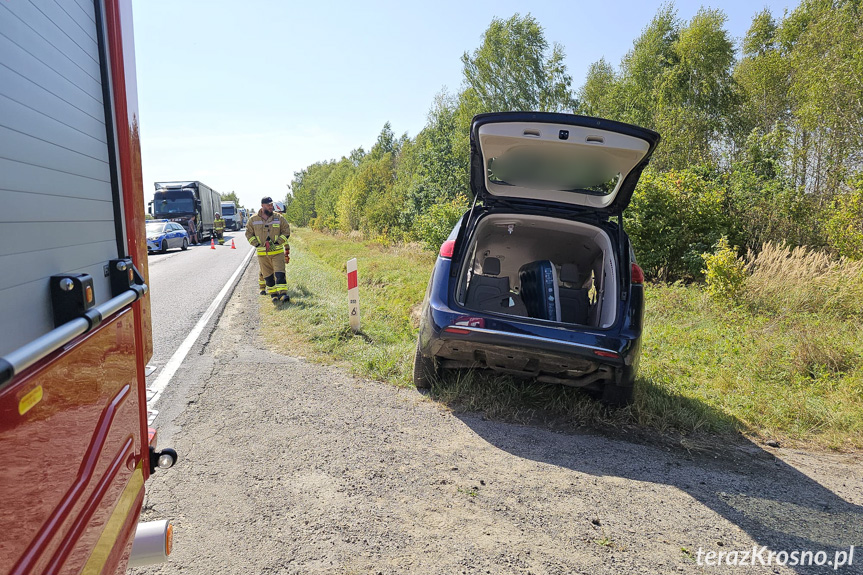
[{"x": 763, "y": 143}]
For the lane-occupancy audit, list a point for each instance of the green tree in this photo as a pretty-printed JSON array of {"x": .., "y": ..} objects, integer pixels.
[
  {"x": 230, "y": 197},
  {"x": 644, "y": 66},
  {"x": 331, "y": 186},
  {"x": 597, "y": 96},
  {"x": 827, "y": 96},
  {"x": 676, "y": 79},
  {"x": 385, "y": 144},
  {"x": 515, "y": 69},
  {"x": 442, "y": 156},
  {"x": 697, "y": 96},
  {"x": 763, "y": 75}
]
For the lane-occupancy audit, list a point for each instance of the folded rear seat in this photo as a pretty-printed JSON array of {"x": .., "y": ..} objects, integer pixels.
[
  {"x": 487, "y": 292},
  {"x": 574, "y": 301}
]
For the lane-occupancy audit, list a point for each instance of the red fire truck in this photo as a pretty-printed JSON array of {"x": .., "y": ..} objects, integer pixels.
[{"x": 74, "y": 310}]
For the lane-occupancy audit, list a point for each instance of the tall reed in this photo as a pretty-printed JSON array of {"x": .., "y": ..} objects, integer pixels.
[{"x": 785, "y": 280}]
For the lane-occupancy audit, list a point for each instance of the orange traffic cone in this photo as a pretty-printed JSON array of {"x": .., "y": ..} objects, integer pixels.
[
  {"x": 212, "y": 244},
  {"x": 233, "y": 247}
]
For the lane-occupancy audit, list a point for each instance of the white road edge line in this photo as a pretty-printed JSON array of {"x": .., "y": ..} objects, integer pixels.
[{"x": 177, "y": 359}]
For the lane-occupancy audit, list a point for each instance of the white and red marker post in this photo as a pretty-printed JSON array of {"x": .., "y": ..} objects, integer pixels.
[{"x": 353, "y": 296}]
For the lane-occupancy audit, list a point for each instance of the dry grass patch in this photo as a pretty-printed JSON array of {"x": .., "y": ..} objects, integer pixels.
[{"x": 784, "y": 280}]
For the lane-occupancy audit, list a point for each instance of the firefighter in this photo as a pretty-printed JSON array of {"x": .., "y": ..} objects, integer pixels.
[
  {"x": 219, "y": 228},
  {"x": 268, "y": 232}
]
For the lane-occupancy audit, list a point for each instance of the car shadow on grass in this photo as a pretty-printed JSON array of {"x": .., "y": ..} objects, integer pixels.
[{"x": 777, "y": 505}]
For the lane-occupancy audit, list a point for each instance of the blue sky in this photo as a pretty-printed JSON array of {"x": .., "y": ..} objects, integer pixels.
[{"x": 242, "y": 94}]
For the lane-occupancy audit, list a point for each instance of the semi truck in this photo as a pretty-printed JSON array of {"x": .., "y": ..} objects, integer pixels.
[
  {"x": 181, "y": 201},
  {"x": 77, "y": 447},
  {"x": 232, "y": 217}
]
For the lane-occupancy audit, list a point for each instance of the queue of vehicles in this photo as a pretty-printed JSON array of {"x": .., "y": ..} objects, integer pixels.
[
  {"x": 181, "y": 206},
  {"x": 191, "y": 204}
]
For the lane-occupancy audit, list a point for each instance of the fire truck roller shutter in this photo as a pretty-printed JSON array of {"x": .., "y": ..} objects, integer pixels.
[{"x": 56, "y": 163}]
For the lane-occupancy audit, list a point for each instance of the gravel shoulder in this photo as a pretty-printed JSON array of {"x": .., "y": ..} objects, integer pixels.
[{"x": 292, "y": 467}]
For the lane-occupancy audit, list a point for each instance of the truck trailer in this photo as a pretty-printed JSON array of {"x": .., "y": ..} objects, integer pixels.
[
  {"x": 74, "y": 305},
  {"x": 181, "y": 201}
]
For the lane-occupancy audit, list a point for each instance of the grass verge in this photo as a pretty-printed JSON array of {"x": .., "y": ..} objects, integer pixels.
[{"x": 706, "y": 367}]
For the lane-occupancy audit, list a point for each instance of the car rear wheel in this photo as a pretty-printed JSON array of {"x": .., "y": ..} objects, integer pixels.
[
  {"x": 617, "y": 395},
  {"x": 164, "y": 247},
  {"x": 185, "y": 245},
  {"x": 425, "y": 370}
]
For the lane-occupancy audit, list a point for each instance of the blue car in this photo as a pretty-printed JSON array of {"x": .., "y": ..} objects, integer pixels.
[
  {"x": 163, "y": 235},
  {"x": 538, "y": 279}
]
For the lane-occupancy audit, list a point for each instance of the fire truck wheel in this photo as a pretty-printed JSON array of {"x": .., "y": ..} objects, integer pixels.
[
  {"x": 164, "y": 246},
  {"x": 185, "y": 244}
]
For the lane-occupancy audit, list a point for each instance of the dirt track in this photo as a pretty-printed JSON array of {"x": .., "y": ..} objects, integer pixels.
[{"x": 310, "y": 470}]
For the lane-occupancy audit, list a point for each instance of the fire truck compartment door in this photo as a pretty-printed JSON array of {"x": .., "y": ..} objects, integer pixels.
[{"x": 56, "y": 163}]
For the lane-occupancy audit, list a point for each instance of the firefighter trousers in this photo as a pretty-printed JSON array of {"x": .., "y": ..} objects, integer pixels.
[{"x": 273, "y": 270}]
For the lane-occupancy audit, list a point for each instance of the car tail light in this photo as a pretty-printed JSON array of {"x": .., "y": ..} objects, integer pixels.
[
  {"x": 447, "y": 248},
  {"x": 637, "y": 274},
  {"x": 457, "y": 330},
  {"x": 606, "y": 353}
]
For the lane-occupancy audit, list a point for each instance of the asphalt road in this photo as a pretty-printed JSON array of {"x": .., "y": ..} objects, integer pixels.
[{"x": 183, "y": 284}]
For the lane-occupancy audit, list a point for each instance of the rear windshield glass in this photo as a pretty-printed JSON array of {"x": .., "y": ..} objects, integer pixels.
[{"x": 549, "y": 170}]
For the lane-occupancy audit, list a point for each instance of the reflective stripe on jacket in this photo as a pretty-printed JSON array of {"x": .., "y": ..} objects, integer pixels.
[
  {"x": 275, "y": 228},
  {"x": 219, "y": 225}
]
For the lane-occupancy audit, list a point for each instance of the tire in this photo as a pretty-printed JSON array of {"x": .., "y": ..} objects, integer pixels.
[
  {"x": 617, "y": 395},
  {"x": 425, "y": 370},
  {"x": 164, "y": 247},
  {"x": 185, "y": 245}
]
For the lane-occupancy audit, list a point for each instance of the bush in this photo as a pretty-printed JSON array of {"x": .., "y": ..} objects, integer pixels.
[
  {"x": 433, "y": 226},
  {"x": 674, "y": 217},
  {"x": 724, "y": 272},
  {"x": 845, "y": 224},
  {"x": 772, "y": 210}
]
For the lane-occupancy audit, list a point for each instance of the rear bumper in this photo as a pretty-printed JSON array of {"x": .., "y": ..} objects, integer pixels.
[{"x": 526, "y": 355}]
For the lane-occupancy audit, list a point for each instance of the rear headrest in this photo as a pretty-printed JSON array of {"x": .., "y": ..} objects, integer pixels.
[
  {"x": 569, "y": 274},
  {"x": 491, "y": 267}
]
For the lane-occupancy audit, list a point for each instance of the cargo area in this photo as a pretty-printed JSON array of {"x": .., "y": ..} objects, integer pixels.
[{"x": 541, "y": 268}]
